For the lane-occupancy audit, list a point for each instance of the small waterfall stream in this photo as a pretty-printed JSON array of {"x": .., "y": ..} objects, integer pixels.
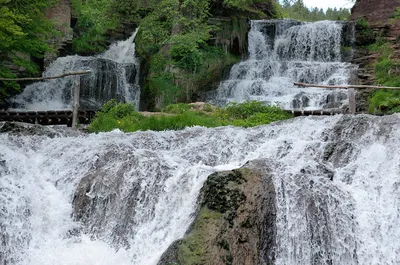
[
  {"x": 115, "y": 75},
  {"x": 336, "y": 179},
  {"x": 282, "y": 52}
]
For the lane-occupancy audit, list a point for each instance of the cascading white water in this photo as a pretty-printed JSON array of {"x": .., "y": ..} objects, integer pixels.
[
  {"x": 115, "y": 75},
  {"x": 336, "y": 179},
  {"x": 282, "y": 52}
]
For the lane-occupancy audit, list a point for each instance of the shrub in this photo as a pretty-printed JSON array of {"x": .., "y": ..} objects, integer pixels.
[
  {"x": 384, "y": 101},
  {"x": 178, "y": 108},
  {"x": 124, "y": 117}
]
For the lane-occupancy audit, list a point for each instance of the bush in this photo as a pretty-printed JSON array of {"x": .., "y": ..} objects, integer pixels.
[
  {"x": 124, "y": 117},
  {"x": 176, "y": 108},
  {"x": 115, "y": 115},
  {"x": 384, "y": 101}
]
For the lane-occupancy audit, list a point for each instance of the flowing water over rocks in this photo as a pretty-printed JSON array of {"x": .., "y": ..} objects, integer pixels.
[
  {"x": 282, "y": 52},
  {"x": 115, "y": 75},
  {"x": 114, "y": 198}
]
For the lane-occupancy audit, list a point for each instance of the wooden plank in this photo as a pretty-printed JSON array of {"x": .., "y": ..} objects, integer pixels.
[
  {"x": 46, "y": 78},
  {"x": 352, "y": 100},
  {"x": 75, "y": 104},
  {"x": 345, "y": 87}
]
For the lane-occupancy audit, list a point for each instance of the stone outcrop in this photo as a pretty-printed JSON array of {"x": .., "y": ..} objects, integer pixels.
[
  {"x": 235, "y": 222},
  {"x": 374, "y": 23},
  {"x": 377, "y": 12},
  {"x": 60, "y": 15},
  {"x": 27, "y": 129}
]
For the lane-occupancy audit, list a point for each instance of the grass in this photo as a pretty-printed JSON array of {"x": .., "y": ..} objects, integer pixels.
[
  {"x": 386, "y": 72},
  {"x": 179, "y": 116}
]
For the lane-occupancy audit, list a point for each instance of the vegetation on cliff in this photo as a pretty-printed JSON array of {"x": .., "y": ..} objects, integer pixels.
[
  {"x": 178, "y": 116},
  {"x": 183, "y": 50},
  {"x": 385, "y": 68},
  {"x": 24, "y": 32}
]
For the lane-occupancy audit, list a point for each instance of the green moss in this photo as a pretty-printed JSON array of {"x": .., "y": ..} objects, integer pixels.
[
  {"x": 230, "y": 31},
  {"x": 222, "y": 194},
  {"x": 192, "y": 250}
]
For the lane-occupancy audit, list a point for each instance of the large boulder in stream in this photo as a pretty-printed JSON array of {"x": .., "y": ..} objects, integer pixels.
[{"x": 235, "y": 222}]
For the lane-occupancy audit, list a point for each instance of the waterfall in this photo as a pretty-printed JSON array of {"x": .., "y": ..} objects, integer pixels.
[
  {"x": 115, "y": 75},
  {"x": 114, "y": 198},
  {"x": 282, "y": 52}
]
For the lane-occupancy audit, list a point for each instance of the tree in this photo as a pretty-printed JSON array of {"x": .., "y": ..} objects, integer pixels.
[{"x": 23, "y": 34}]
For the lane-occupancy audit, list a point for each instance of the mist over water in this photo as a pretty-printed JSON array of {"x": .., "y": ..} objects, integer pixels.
[
  {"x": 282, "y": 52},
  {"x": 114, "y": 75}
]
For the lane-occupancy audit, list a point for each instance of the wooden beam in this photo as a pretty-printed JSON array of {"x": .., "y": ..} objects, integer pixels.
[
  {"x": 345, "y": 87},
  {"x": 46, "y": 78},
  {"x": 352, "y": 100},
  {"x": 75, "y": 101}
]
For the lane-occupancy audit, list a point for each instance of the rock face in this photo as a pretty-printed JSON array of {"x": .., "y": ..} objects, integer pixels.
[
  {"x": 374, "y": 23},
  {"x": 60, "y": 15},
  {"x": 379, "y": 14},
  {"x": 235, "y": 222}
]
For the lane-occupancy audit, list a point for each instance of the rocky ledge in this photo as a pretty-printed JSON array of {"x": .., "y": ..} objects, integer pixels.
[{"x": 235, "y": 222}]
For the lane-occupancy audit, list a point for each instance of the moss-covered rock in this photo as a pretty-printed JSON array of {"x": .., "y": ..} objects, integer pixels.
[{"x": 235, "y": 223}]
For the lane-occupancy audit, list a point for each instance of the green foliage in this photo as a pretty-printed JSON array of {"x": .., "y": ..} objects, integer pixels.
[
  {"x": 248, "y": 6},
  {"x": 174, "y": 41},
  {"x": 124, "y": 117},
  {"x": 176, "y": 108},
  {"x": 385, "y": 101},
  {"x": 164, "y": 88},
  {"x": 7, "y": 88},
  {"x": 362, "y": 23},
  {"x": 251, "y": 113},
  {"x": 298, "y": 10},
  {"x": 185, "y": 49},
  {"x": 115, "y": 115},
  {"x": 156, "y": 27},
  {"x": 386, "y": 69},
  {"x": 396, "y": 14},
  {"x": 23, "y": 33},
  {"x": 95, "y": 18}
]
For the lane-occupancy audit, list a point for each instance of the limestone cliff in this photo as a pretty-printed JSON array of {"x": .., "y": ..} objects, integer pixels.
[{"x": 235, "y": 223}]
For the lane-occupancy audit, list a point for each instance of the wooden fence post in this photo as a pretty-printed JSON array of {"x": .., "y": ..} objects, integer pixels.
[
  {"x": 352, "y": 100},
  {"x": 75, "y": 101}
]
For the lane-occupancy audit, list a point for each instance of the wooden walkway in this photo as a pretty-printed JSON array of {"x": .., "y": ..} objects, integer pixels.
[
  {"x": 297, "y": 113},
  {"x": 49, "y": 117}
]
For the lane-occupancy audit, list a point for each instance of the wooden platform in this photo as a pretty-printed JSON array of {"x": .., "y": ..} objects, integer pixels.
[{"x": 49, "y": 117}]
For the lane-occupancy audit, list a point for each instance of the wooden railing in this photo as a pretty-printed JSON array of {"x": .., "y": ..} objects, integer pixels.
[
  {"x": 48, "y": 117},
  {"x": 350, "y": 91},
  {"x": 75, "y": 98}
]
